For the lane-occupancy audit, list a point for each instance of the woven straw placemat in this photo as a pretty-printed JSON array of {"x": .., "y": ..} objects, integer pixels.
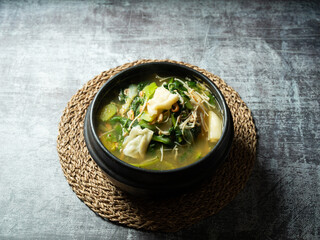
[{"x": 93, "y": 187}]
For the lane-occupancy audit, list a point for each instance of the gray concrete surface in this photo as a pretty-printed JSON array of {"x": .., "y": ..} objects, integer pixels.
[{"x": 268, "y": 52}]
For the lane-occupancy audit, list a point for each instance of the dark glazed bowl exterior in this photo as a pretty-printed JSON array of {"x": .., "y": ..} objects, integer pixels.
[{"x": 143, "y": 182}]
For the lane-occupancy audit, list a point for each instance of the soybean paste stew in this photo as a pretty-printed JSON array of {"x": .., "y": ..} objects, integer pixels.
[{"x": 162, "y": 123}]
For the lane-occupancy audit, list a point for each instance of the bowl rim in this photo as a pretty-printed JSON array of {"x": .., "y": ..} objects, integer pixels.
[{"x": 224, "y": 109}]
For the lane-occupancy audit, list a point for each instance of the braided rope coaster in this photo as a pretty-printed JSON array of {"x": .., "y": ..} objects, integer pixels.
[{"x": 93, "y": 187}]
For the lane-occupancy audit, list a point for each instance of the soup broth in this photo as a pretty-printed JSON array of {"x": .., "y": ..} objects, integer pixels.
[{"x": 160, "y": 123}]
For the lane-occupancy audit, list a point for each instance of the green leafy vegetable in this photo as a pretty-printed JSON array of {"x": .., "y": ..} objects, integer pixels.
[
  {"x": 176, "y": 134},
  {"x": 176, "y": 85},
  {"x": 122, "y": 97},
  {"x": 142, "y": 85},
  {"x": 152, "y": 148},
  {"x": 125, "y": 122},
  {"x": 137, "y": 101},
  {"x": 212, "y": 99},
  {"x": 194, "y": 85},
  {"x": 118, "y": 132}
]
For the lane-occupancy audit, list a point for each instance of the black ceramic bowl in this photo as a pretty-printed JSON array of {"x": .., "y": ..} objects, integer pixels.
[{"x": 145, "y": 182}]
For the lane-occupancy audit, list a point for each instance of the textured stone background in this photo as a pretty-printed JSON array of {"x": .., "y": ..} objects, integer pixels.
[{"x": 268, "y": 52}]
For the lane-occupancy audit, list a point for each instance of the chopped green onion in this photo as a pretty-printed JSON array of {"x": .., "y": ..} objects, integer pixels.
[
  {"x": 145, "y": 124},
  {"x": 161, "y": 139},
  {"x": 146, "y": 163},
  {"x": 108, "y": 112},
  {"x": 149, "y": 90}
]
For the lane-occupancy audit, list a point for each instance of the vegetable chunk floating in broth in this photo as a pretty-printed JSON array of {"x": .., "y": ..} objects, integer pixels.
[{"x": 162, "y": 123}]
